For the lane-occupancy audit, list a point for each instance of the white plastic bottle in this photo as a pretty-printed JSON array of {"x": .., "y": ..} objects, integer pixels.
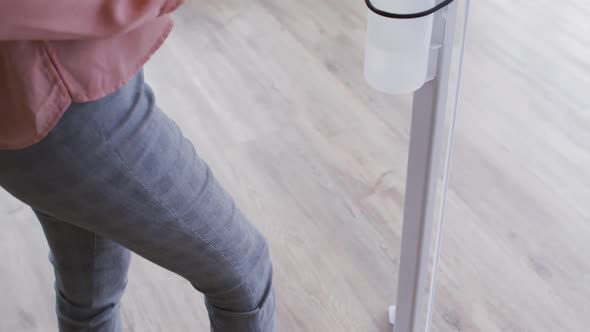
[{"x": 396, "y": 55}]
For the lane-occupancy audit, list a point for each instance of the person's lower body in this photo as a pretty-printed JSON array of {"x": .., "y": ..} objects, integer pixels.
[{"x": 116, "y": 175}]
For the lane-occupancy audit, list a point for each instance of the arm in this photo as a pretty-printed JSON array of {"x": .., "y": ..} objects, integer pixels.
[{"x": 76, "y": 19}]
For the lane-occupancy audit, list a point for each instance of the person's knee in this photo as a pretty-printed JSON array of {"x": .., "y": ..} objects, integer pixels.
[
  {"x": 253, "y": 284},
  {"x": 95, "y": 283}
]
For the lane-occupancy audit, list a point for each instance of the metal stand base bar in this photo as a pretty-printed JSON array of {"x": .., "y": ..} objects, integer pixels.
[{"x": 392, "y": 315}]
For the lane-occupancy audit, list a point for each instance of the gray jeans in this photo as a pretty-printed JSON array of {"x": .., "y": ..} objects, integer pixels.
[{"x": 116, "y": 175}]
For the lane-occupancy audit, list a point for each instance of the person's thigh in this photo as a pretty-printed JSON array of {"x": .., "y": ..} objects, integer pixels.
[{"x": 121, "y": 169}]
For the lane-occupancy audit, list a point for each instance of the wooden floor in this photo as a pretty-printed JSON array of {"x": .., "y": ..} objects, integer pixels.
[{"x": 272, "y": 94}]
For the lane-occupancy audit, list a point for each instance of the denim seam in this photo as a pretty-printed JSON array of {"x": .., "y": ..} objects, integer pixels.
[{"x": 92, "y": 275}]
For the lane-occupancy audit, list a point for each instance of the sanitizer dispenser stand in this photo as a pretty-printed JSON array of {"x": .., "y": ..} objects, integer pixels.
[{"x": 422, "y": 66}]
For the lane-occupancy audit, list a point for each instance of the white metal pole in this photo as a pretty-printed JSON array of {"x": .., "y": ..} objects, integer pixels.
[
  {"x": 428, "y": 113},
  {"x": 447, "y": 169}
]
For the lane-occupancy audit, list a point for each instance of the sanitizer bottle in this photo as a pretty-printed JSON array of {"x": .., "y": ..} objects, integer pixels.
[{"x": 396, "y": 55}]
